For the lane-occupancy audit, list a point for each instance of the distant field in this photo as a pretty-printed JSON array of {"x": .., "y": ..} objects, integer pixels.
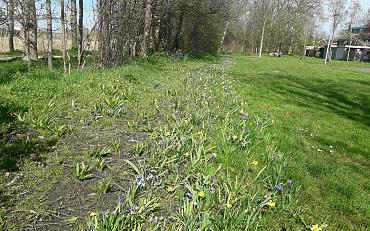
[{"x": 322, "y": 123}]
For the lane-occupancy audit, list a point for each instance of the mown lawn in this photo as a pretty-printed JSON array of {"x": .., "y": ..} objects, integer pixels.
[{"x": 321, "y": 121}]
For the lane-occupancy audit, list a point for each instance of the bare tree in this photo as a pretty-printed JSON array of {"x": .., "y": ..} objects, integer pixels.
[
  {"x": 80, "y": 32},
  {"x": 354, "y": 18},
  {"x": 63, "y": 26},
  {"x": 10, "y": 7},
  {"x": 49, "y": 18},
  {"x": 147, "y": 27},
  {"x": 338, "y": 13},
  {"x": 74, "y": 27}
]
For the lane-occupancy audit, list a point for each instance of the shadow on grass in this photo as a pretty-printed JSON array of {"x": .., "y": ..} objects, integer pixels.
[
  {"x": 341, "y": 98},
  {"x": 18, "y": 142}
]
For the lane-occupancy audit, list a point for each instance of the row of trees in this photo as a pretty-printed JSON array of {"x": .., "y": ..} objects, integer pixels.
[
  {"x": 137, "y": 28},
  {"x": 28, "y": 13}
]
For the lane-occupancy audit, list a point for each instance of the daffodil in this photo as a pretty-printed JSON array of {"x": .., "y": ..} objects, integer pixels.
[
  {"x": 92, "y": 214},
  {"x": 316, "y": 228},
  {"x": 201, "y": 194},
  {"x": 228, "y": 205},
  {"x": 271, "y": 204},
  {"x": 170, "y": 189},
  {"x": 255, "y": 162}
]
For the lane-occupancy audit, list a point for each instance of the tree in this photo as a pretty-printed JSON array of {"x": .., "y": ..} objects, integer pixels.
[
  {"x": 64, "y": 42},
  {"x": 354, "y": 18},
  {"x": 338, "y": 13},
  {"x": 10, "y": 7},
  {"x": 49, "y": 18},
  {"x": 74, "y": 27},
  {"x": 80, "y": 32},
  {"x": 147, "y": 27}
]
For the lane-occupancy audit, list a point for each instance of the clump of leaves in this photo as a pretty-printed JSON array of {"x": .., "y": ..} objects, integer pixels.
[
  {"x": 101, "y": 164},
  {"x": 104, "y": 186},
  {"x": 97, "y": 152},
  {"x": 82, "y": 171}
]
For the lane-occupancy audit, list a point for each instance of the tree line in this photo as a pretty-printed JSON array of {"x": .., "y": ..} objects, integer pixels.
[{"x": 138, "y": 28}]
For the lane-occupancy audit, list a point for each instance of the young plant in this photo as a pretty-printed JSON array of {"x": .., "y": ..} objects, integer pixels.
[
  {"x": 101, "y": 164},
  {"x": 104, "y": 186},
  {"x": 82, "y": 171}
]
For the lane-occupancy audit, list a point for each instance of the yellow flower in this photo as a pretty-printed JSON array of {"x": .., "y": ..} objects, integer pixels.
[
  {"x": 316, "y": 228},
  {"x": 201, "y": 194},
  {"x": 170, "y": 189},
  {"x": 92, "y": 214},
  {"x": 235, "y": 137},
  {"x": 255, "y": 163},
  {"x": 186, "y": 121},
  {"x": 271, "y": 204},
  {"x": 228, "y": 205},
  {"x": 168, "y": 133}
]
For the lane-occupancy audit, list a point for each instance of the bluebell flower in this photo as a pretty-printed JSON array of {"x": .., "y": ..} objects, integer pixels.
[
  {"x": 140, "y": 181},
  {"x": 279, "y": 188},
  {"x": 246, "y": 116},
  {"x": 289, "y": 183}
]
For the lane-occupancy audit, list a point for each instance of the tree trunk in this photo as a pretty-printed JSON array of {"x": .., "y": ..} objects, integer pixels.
[
  {"x": 224, "y": 35},
  {"x": 33, "y": 30},
  {"x": 147, "y": 26},
  {"x": 74, "y": 27},
  {"x": 50, "y": 33},
  {"x": 11, "y": 24},
  {"x": 262, "y": 37},
  {"x": 80, "y": 32},
  {"x": 64, "y": 43}
]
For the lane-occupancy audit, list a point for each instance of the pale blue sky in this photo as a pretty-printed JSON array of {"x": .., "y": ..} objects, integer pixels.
[
  {"x": 365, "y": 6},
  {"x": 90, "y": 4}
]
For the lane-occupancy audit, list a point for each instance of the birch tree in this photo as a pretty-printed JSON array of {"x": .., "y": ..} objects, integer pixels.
[
  {"x": 49, "y": 19},
  {"x": 10, "y": 8}
]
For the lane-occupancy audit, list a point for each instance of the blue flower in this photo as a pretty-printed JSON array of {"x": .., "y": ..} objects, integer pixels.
[
  {"x": 279, "y": 187},
  {"x": 140, "y": 181},
  {"x": 289, "y": 183},
  {"x": 246, "y": 116}
]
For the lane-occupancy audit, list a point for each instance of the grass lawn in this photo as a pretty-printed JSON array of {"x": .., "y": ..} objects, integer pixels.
[
  {"x": 174, "y": 143},
  {"x": 322, "y": 123}
]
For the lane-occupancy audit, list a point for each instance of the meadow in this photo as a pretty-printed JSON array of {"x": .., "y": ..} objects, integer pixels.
[{"x": 179, "y": 143}]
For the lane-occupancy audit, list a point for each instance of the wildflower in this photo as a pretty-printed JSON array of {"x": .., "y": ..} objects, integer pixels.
[
  {"x": 315, "y": 228},
  {"x": 271, "y": 204},
  {"x": 246, "y": 116},
  {"x": 235, "y": 137},
  {"x": 201, "y": 194},
  {"x": 189, "y": 195},
  {"x": 212, "y": 191},
  {"x": 153, "y": 220},
  {"x": 254, "y": 163},
  {"x": 279, "y": 188},
  {"x": 213, "y": 157},
  {"x": 93, "y": 214},
  {"x": 168, "y": 133},
  {"x": 150, "y": 177},
  {"x": 170, "y": 189},
  {"x": 289, "y": 183},
  {"x": 110, "y": 111},
  {"x": 228, "y": 205},
  {"x": 140, "y": 181},
  {"x": 195, "y": 204}
]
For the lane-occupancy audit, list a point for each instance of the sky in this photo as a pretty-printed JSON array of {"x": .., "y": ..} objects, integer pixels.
[
  {"x": 90, "y": 4},
  {"x": 327, "y": 24}
]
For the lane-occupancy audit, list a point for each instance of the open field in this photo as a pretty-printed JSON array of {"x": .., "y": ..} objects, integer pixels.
[
  {"x": 173, "y": 143},
  {"x": 322, "y": 123}
]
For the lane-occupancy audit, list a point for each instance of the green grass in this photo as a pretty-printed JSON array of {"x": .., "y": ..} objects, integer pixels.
[
  {"x": 317, "y": 108},
  {"x": 170, "y": 146}
]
